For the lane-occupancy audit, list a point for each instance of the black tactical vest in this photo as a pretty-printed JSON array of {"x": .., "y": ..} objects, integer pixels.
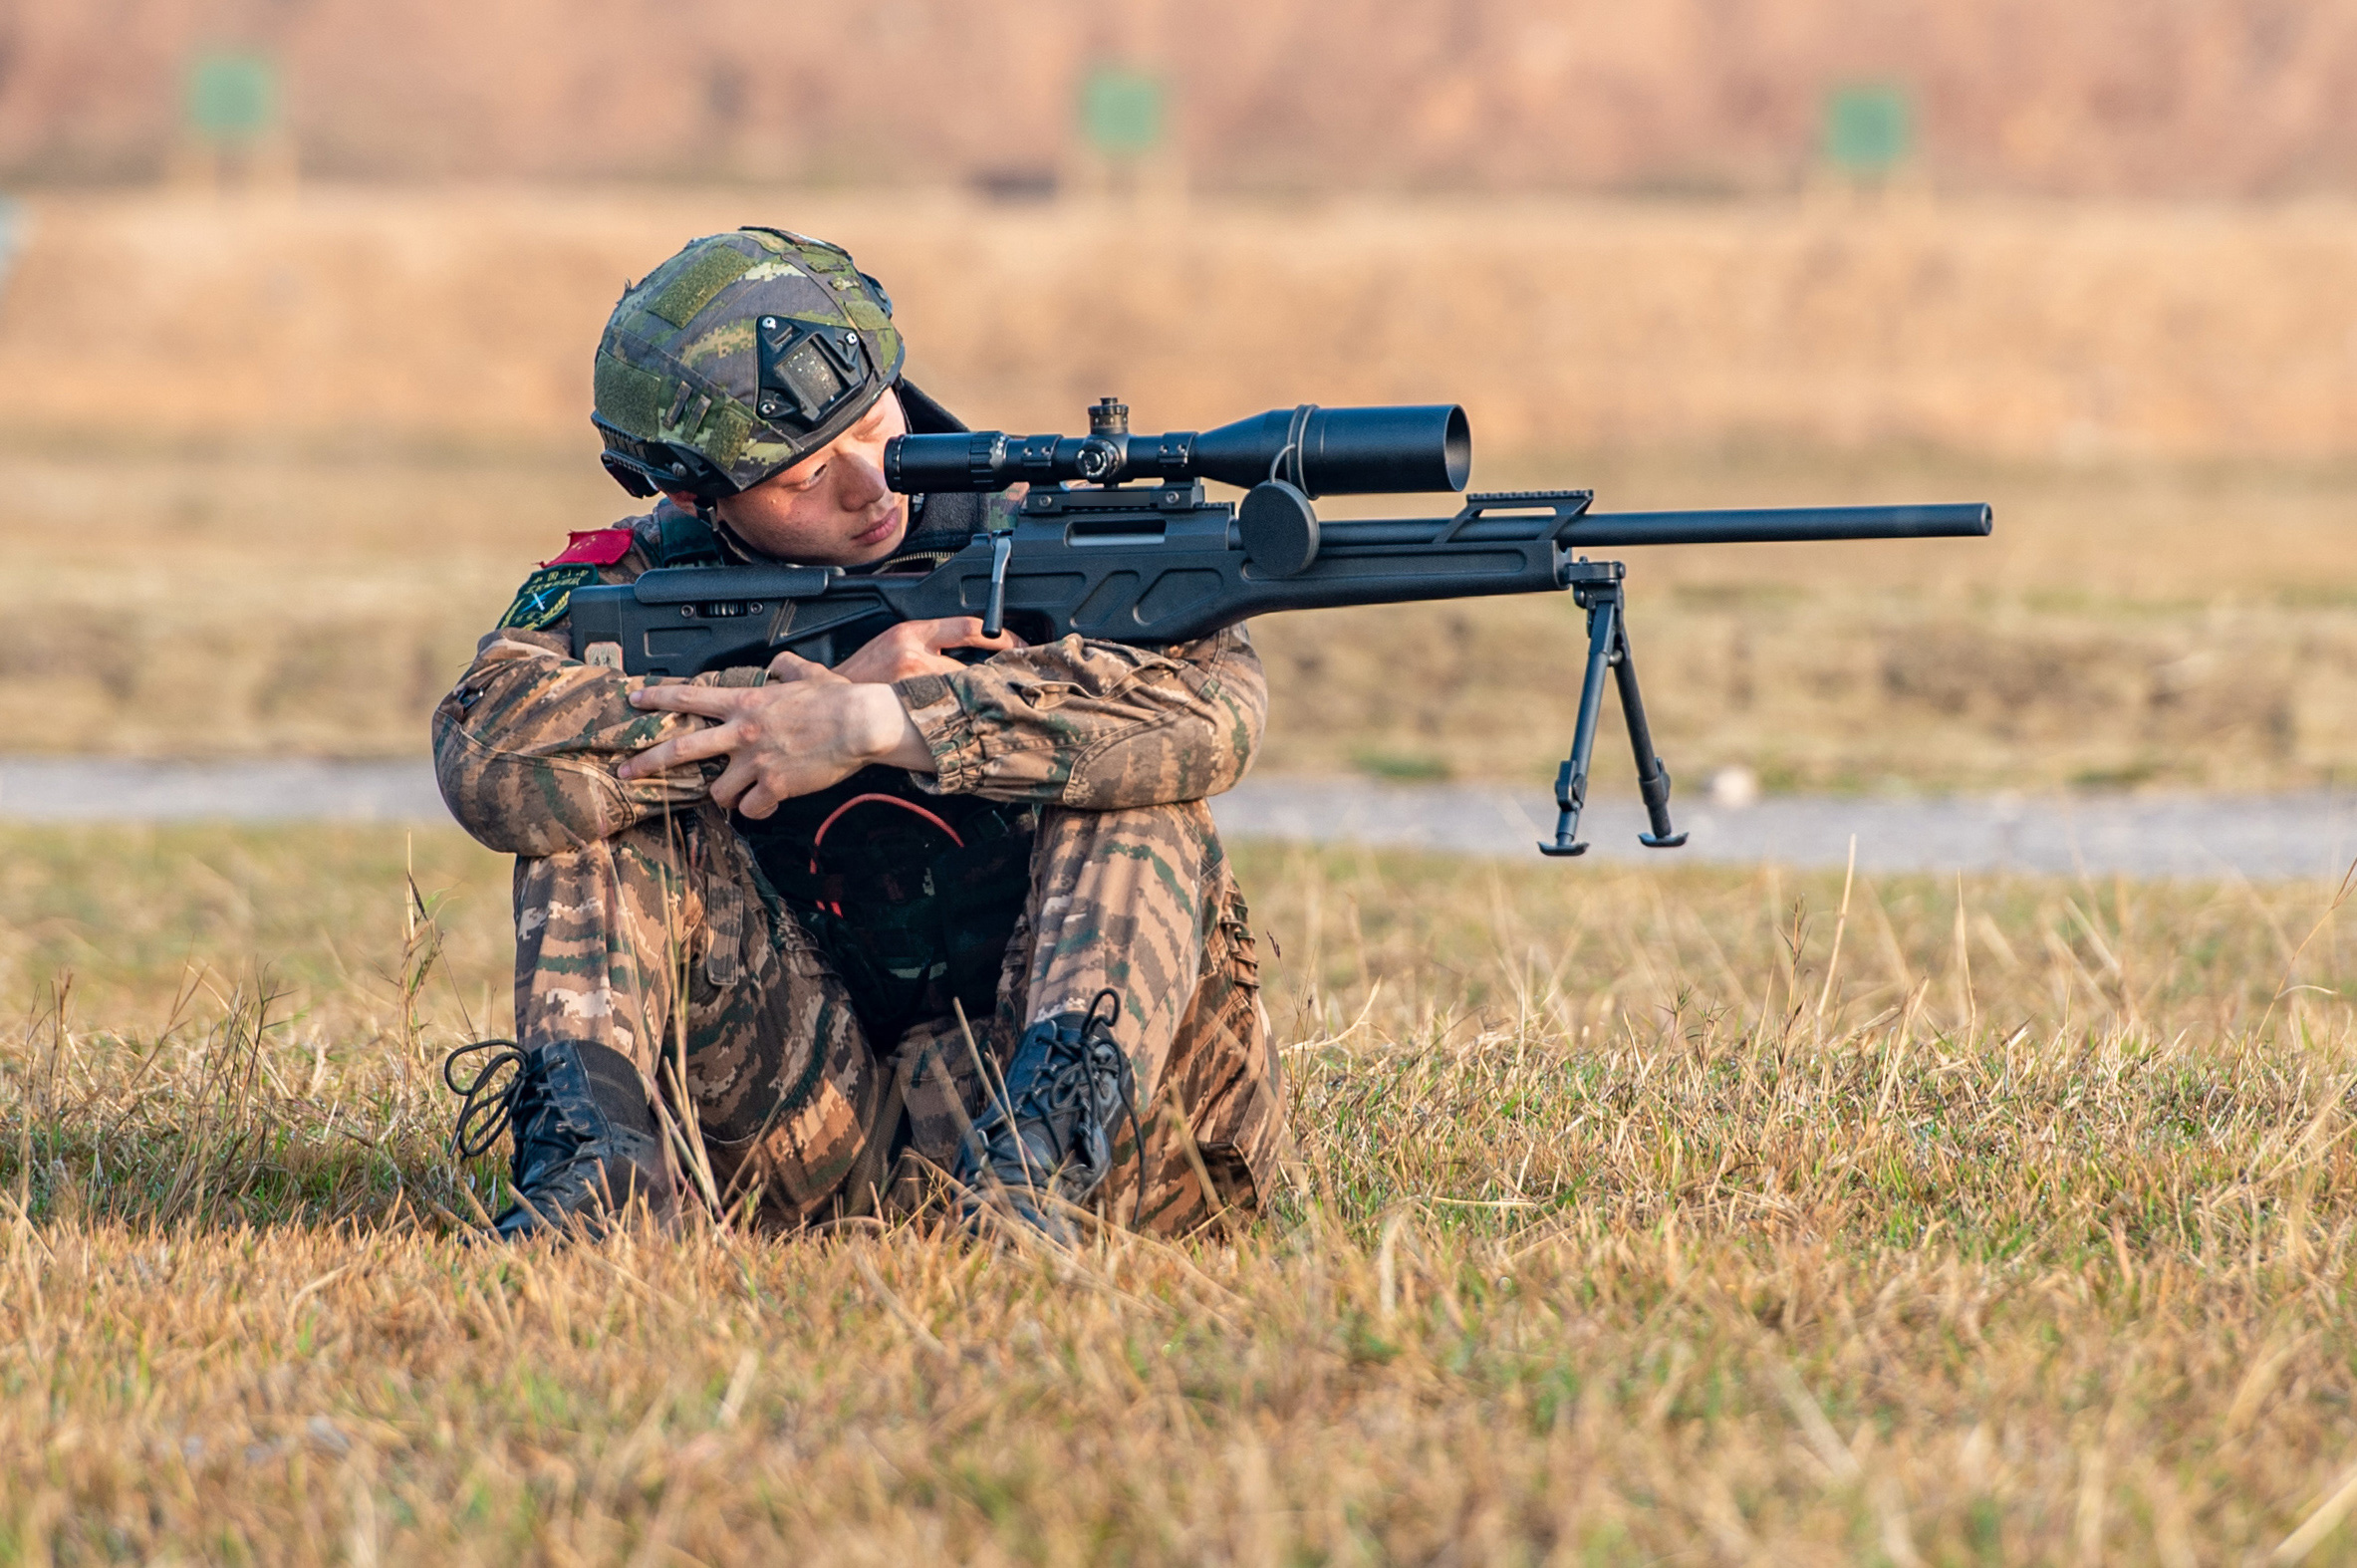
[{"x": 912, "y": 895}]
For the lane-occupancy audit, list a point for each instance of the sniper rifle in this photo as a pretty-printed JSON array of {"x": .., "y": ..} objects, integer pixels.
[{"x": 1117, "y": 541}]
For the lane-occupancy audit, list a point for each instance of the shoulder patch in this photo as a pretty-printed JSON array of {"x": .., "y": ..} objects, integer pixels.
[
  {"x": 546, "y": 595},
  {"x": 594, "y": 547}
]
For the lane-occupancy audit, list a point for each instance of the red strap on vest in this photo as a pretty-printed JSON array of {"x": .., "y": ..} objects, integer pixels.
[
  {"x": 819, "y": 838},
  {"x": 594, "y": 547}
]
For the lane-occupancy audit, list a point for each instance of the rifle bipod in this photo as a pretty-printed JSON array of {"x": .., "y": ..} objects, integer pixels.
[{"x": 1596, "y": 586}]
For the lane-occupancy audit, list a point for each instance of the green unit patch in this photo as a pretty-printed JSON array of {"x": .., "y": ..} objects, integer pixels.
[{"x": 542, "y": 601}]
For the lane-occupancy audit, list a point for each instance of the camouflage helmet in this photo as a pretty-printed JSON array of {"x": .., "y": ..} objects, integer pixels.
[{"x": 740, "y": 356}]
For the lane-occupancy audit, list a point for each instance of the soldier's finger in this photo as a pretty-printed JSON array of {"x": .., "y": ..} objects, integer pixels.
[
  {"x": 691, "y": 747},
  {"x": 758, "y": 802},
  {"x": 789, "y": 666},
  {"x": 708, "y": 702},
  {"x": 738, "y": 777},
  {"x": 967, "y": 632},
  {"x": 951, "y": 632},
  {"x": 923, "y": 665}
]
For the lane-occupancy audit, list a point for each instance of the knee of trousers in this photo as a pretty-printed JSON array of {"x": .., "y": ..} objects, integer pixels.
[
  {"x": 603, "y": 928},
  {"x": 1150, "y": 853},
  {"x": 1187, "y": 822}
]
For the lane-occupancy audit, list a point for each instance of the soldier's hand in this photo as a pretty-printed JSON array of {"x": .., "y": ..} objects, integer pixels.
[
  {"x": 913, "y": 647},
  {"x": 788, "y": 738}
]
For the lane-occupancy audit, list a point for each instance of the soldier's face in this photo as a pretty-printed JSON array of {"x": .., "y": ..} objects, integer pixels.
[{"x": 833, "y": 507}]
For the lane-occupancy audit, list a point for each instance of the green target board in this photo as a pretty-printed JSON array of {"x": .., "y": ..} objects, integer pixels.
[
  {"x": 231, "y": 97},
  {"x": 1122, "y": 111},
  {"x": 1869, "y": 127}
]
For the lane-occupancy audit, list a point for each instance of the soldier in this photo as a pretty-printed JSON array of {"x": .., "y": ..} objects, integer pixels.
[{"x": 796, "y": 937}]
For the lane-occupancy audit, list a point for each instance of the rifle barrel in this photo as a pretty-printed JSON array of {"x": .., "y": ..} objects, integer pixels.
[{"x": 1782, "y": 525}]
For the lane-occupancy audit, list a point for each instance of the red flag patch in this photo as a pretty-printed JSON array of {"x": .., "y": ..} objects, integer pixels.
[{"x": 594, "y": 547}]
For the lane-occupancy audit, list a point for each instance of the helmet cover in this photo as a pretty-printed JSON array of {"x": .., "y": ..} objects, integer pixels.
[{"x": 740, "y": 356}]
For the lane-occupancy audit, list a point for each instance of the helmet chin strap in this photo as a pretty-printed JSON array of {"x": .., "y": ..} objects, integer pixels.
[{"x": 730, "y": 540}]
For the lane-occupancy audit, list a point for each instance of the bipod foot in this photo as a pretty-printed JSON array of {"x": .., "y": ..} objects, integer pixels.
[{"x": 1571, "y": 794}]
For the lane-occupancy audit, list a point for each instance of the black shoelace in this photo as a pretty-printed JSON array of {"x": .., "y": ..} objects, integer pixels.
[
  {"x": 1129, "y": 1098},
  {"x": 484, "y": 1112},
  {"x": 1063, "y": 1085}
]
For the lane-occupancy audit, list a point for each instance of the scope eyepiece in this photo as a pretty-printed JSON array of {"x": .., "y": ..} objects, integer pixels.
[{"x": 1319, "y": 451}]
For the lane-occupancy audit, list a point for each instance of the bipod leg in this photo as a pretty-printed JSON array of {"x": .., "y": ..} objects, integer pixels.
[
  {"x": 1653, "y": 779},
  {"x": 1571, "y": 780}
]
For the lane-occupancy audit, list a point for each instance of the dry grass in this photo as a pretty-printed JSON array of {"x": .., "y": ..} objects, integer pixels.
[
  {"x": 354, "y": 316},
  {"x": 238, "y": 607},
  {"x": 361, "y": 416},
  {"x": 2176, "y": 626},
  {"x": 1634, "y": 1223}
]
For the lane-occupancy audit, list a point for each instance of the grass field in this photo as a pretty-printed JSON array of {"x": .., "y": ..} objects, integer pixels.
[
  {"x": 1641, "y": 1214},
  {"x": 1697, "y": 1215}
]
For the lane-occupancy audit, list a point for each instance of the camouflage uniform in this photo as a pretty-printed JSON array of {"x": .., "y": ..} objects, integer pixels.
[{"x": 644, "y": 924}]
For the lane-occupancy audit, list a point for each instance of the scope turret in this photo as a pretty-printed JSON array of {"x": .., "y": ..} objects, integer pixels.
[{"x": 1320, "y": 452}]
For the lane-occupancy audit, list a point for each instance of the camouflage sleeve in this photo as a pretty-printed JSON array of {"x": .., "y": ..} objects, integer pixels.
[
  {"x": 525, "y": 747},
  {"x": 526, "y": 743},
  {"x": 1099, "y": 725}
]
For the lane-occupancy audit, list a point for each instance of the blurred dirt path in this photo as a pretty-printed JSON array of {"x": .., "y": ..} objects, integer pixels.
[
  {"x": 2266, "y": 836},
  {"x": 2310, "y": 833}
]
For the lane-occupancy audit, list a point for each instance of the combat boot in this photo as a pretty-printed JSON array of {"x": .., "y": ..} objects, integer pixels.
[
  {"x": 1046, "y": 1140},
  {"x": 586, "y": 1141}
]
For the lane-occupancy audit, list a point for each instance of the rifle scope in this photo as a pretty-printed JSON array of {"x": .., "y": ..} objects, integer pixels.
[{"x": 1319, "y": 451}]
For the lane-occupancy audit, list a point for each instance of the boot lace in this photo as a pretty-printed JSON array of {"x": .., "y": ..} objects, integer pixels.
[
  {"x": 1111, "y": 1002},
  {"x": 484, "y": 1112},
  {"x": 1055, "y": 1092}
]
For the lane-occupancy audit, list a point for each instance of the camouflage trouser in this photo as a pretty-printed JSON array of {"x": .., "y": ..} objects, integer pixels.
[{"x": 657, "y": 941}]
